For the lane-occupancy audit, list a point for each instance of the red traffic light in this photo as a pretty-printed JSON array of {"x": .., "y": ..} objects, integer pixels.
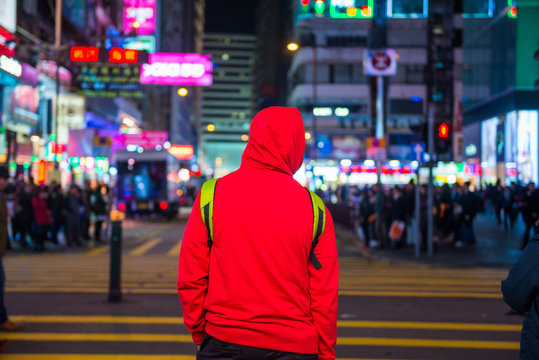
[
  {"x": 305, "y": 2},
  {"x": 121, "y": 207},
  {"x": 513, "y": 12},
  {"x": 163, "y": 205},
  {"x": 443, "y": 131}
]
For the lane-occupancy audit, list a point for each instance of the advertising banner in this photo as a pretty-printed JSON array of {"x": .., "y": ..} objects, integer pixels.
[
  {"x": 527, "y": 146},
  {"x": 8, "y": 15},
  {"x": 145, "y": 139},
  {"x": 70, "y": 115},
  {"x": 139, "y": 15},
  {"x": 110, "y": 81},
  {"x": 177, "y": 69}
]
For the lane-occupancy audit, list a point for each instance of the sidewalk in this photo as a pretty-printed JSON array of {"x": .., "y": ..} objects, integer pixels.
[{"x": 495, "y": 247}]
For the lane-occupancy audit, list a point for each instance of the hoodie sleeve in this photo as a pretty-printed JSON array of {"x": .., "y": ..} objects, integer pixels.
[
  {"x": 193, "y": 273},
  {"x": 519, "y": 290},
  {"x": 324, "y": 286}
]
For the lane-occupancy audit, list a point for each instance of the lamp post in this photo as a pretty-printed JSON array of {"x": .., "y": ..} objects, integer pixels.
[{"x": 294, "y": 47}]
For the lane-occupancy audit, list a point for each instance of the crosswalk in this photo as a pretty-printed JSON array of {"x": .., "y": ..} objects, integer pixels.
[{"x": 387, "y": 310}]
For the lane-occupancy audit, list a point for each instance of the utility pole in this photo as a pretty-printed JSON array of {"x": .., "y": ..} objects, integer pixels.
[{"x": 57, "y": 45}]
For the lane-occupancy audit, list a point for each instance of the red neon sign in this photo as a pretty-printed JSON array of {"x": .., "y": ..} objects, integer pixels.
[
  {"x": 42, "y": 172},
  {"x": 119, "y": 55},
  {"x": 84, "y": 54}
]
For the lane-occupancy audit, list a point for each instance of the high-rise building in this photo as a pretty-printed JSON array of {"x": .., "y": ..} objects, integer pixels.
[
  {"x": 338, "y": 101},
  {"x": 272, "y": 23},
  {"x": 501, "y": 101},
  {"x": 226, "y": 109}
]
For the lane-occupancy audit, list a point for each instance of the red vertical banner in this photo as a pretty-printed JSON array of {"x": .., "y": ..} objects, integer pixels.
[{"x": 42, "y": 172}]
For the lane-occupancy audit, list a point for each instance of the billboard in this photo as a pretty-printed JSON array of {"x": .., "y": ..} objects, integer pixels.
[
  {"x": 8, "y": 15},
  {"x": 110, "y": 81},
  {"x": 139, "y": 15},
  {"x": 70, "y": 115},
  {"x": 177, "y": 69},
  {"x": 527, "y": 145},
  {"x": 488, "y": 146},
  {"x": 351, "y": 9}
]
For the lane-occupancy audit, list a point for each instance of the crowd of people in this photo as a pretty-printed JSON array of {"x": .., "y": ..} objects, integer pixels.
[
  {"x": 38, "y": 214},
  {"x": 387, "y": 214}
]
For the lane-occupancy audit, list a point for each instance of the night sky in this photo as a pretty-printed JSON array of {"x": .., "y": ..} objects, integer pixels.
[{"x": 232, "y": 16}]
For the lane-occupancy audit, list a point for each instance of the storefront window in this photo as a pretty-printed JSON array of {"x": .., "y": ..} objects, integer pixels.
[{"x": 407, "y": 8}]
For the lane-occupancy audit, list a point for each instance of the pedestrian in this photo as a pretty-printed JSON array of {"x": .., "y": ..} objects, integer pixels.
[
  {"x": 57, "y": 204},
  {"x": 366, "y": 215},
  {"x": 398, "y": 215},
  {"x": 72, "y": 215},
  {"x": 42, "y": 219},
  {"x": 520, "y": 292},
  {"x": 5, "y": 323},
  {"x": 98, "y": 206},
  {"x": 259, "y": 293},
  {"x": 530, "y": 212},
  {"x": 469, "y": 203},
  {"x": 380, "y": 224}
]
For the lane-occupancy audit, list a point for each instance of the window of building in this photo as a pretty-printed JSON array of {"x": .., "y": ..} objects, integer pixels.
[
  {"x": 477, "y": 8},
  {"x": 346, "y": 40},
  {"x": 322, "y": 73},
  {"x": 342, "y": 74},
  {"x": 415, "y": 74},
  {"x": 408, "y": 107},
  {"x": 358, "y": 77},
  {"x": 407, "y": 8}
]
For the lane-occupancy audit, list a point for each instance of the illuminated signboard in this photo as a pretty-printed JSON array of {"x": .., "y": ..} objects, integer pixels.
[
  {"x": 7, "y": 43},
  {"x": 478, "y": 8},
  {"x": 110, "y": 81},
  {"x": 182, "y": 152},
  {"x": 139, "y": 15},
  {"x": 177, "y": 69},
  {"x": 117, "y": 55},
  {"x": 351, "y": 9},
  {"x": 407, "y": 8},
  {"x": 11, "y": 66},
  {"x": 8, "y": 15},
  {"x": 84, "y": 54},
  {"x": 142, "y": 43}
]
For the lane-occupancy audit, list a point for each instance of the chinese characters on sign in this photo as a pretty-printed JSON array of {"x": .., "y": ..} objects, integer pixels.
[
  {"x": 110, "y": 81},
  {"x": 84, "y": 54},
  {"x": 139, "y": 15},
  {"x": 118, "y": 55}
]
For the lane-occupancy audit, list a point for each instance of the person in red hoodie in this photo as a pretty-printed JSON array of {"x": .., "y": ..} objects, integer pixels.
[{"x": 256, "y": 295}]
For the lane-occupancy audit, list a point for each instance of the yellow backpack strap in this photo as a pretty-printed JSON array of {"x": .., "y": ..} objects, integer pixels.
[
  {"x": 207, "y": 194},
  {"x": 319, "y": 225}
]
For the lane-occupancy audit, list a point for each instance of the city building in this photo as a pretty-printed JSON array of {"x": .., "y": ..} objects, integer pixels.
[
  {"x": 226, "y": 109},
  {"x": 501, "y": 99},
  {"x": 339, "y": 43},
  {"x": 271, "y": 61}
]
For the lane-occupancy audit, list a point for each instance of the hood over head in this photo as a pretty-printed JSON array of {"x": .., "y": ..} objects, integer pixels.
[{"x": 276, "y": 140}]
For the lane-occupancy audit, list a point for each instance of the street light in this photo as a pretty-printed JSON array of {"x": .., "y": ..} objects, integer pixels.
[{"x": 292, "y": 46}]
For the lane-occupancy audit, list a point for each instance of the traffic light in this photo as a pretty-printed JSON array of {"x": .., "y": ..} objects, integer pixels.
[{"x": 444, "y": 140}]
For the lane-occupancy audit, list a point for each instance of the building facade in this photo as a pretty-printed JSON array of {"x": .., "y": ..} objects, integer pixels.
[
  {"x": 226, "y": 106},
  {"x": 328, "y": 81},
  {"x": 501, "y": 101}
]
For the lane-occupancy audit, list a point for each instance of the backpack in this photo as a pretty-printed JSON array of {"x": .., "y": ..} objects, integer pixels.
[{"x": 207, "y": 194}]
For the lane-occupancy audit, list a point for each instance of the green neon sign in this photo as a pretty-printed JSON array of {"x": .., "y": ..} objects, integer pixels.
[{"x": 351, "y": 9}]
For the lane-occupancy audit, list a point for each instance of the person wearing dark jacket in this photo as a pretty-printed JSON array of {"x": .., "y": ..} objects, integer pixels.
[
  {"x": 256, "y": 295},
  {"x": 521, "y": 292},
  {"x": 5, "y": 322},
  {"x": 530, "y": 212}
]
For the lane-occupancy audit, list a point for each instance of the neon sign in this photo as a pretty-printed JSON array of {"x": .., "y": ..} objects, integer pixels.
[
  {"x": 352, "y": 9},
  {"x": 177, "y": 69},
  {"x": 139, "y": 15},
  {"x": 118, "y": 55},
  {"x": 84, "y": 54}
]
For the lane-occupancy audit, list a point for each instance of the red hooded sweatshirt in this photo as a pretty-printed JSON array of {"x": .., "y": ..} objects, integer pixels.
[{"x": 257, "y": 286}]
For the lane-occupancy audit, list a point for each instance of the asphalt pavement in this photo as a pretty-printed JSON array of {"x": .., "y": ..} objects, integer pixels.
[{"x": 390, "y": 306}]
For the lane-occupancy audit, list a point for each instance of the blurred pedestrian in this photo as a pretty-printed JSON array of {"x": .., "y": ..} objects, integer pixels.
[
  {"x": 380, "y": 224},
  {"x": 366, "y": 215},
  {"x": 520, "y": 291},
  {"x": 98, "y": 205},
  {"x": 530, "y": 212},
  {"x": 71, "y": 212},
  {"x": 5, "y": 323},
  {"x": 42, "y": 219},
  {"x": 56, "y": 206},
  {"x": 256, "y": 294}
]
